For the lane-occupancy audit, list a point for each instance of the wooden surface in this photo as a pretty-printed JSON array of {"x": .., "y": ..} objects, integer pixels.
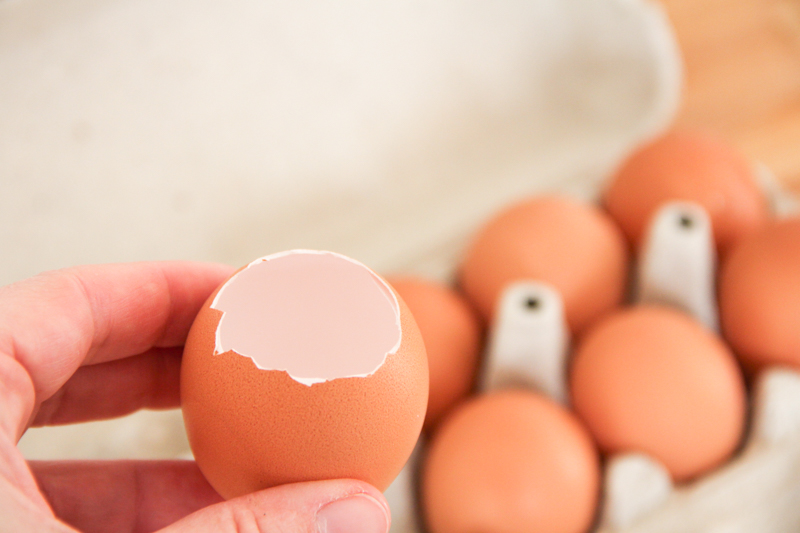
[{"x": 742, "y": 61}]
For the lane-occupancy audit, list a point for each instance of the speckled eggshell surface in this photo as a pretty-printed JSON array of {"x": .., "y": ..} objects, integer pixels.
[
  {"x": 251, "y": 428},
  {"x": 688, "y": 166},
  {"x": 573, "y": 246},
  {"x": 759, "y": 293}
]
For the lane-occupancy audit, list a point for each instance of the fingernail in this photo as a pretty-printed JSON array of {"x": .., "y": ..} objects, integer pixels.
[{"x": 359, "y": 513}]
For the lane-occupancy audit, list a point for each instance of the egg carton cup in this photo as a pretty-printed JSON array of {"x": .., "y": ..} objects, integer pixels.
[{"x": 528, "y": 346}]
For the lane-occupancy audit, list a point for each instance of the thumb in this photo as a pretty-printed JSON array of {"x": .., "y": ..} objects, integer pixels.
[{"x": 337, "y": 506}]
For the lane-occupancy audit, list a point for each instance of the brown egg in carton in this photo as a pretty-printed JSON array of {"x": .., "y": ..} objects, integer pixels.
[{"x": 753, "y": 486}]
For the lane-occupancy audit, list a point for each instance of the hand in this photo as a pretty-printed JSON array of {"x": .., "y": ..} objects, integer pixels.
[{"x": 98, "y": 342}]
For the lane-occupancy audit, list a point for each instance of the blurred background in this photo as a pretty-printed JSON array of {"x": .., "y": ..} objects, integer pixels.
[{"x": 150, "y": 129}]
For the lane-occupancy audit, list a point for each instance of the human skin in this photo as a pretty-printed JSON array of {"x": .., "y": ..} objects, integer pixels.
[{"x": 97, "y": 342}]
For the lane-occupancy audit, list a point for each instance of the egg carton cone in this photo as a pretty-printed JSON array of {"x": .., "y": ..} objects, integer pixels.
[
  {"x": 529, "y": 342},
  {"x": 677, "y": 265}
]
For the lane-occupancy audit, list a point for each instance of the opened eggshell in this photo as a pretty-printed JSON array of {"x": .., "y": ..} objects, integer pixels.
[{"x": 252, "y": 428}]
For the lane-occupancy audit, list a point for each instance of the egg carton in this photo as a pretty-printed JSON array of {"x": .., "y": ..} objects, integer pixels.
[{"x": 528, "y": 346}]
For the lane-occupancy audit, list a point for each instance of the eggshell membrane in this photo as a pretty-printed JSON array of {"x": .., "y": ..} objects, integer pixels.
[
  {"x": 759, "y": 292},
  {"x": 452, "y": 334},
  {"x": 689, "y": 166},
  {"x": 574, "y": 247},
  {"x": 650, "y": 379},
  {"x": 250, "y": 429},
  {"x": 509, "y": 462},
  {"x": 317, "y": 315}
]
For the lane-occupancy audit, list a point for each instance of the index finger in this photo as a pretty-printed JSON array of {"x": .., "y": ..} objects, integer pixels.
[{"x": 57, "y": 321}]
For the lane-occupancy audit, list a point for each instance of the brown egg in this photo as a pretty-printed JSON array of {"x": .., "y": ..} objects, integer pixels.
[
  {"x": 510, "y": 462},
  {"x": 688, "y": 166},
  {"x": 303, "y": 366},
  {"x": 574, "y": 247},
  {"x": 650, "y": 379},
  {"x": 452, "y": 335},
  {"x": 759, "y": 292}
]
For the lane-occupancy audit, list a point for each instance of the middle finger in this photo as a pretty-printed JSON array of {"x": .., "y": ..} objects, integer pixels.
[{"x": 116, "y": 388}]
